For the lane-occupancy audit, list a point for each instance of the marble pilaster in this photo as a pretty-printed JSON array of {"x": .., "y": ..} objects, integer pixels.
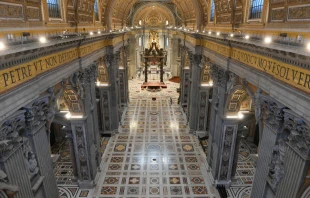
[
  {"x": 12, "y": 159},
  {"x": 104, "y": 103},
  {"x": 84, "y": 157},
  {"x": 197, "y": 62},
  {"x": 113, "y": 71},
  {"x": 294, "y": 154},
  {"x": 273, "y": 125},
  {"x": 226, "y": 152},
  {"x": 35, "y": 120},
  {"x": 204, "y": 106},
  {"x": 84, "y": 125}
]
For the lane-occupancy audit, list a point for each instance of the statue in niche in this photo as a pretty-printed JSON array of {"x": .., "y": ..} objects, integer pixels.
[
  {"x": 33, "y": 165},
  {"x": 75, "y": 80},
  {"x": 30, "y": 160},
  {"x": 231, "y": 82}
]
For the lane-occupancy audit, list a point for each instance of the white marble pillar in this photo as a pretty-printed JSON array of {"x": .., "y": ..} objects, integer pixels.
[
  {"x": 104, "y": 95},
  {"x": 226, "y": 151},
  {"x": 35, "y": 116},
  {"x": 83, "y": 150},
  {"x": 113, "y": 71},
  {"x": 197, "y": 62},
  {"x": 12, "y": 159},
  {"x": 273, "y": 125}
]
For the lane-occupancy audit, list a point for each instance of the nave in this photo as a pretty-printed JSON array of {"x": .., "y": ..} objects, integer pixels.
[{"x": 155, "y": 156}]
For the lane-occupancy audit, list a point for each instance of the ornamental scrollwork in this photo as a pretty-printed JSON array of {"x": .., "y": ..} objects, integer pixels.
[
  {"x": 228, "y": 141},
  {"x": 10, "y": 134},
  {"x": 276, "y": 166},
  {"x": 231, "y": 82},
  {"x": 299, "y": 137},
  {"x": 5, "y": 185},
  {"x": 274, "y": 113},
  {"x": 30, "y": 159}
]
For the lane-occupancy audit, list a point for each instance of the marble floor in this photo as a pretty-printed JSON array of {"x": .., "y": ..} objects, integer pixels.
[
  {"x": 63, "y": 168},
  {"x": 154, "y": 155}
]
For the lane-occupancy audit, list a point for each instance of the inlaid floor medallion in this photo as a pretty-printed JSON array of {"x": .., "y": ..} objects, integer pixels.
[{"x": 154, "y": 155}]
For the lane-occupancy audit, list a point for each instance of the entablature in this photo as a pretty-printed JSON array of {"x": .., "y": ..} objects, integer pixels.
[
  {"x": 289, "y": 66},
  {"x": 21, "y": 65}
]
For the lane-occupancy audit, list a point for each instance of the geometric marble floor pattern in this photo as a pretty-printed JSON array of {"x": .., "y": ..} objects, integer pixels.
[
  {"x": 154, "y": 155},
  {"x": 241, "y": 185}
]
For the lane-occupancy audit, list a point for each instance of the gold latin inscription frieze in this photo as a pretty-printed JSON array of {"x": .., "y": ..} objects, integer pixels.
[
  {"x": 16, "y": 75},
  {"x": 295, "y": 76}
]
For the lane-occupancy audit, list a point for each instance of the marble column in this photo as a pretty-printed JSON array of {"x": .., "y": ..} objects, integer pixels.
[
  {"x": 185, "y": 87},
  {"x": 174, "y": 56},
  {"x": 203, "y": 111},
  {"x": 35, "y": 119},
  {"x": 84, "y": 157},
  {"x": 273, "y": 125},
  {"x": 226, "y": 150},
  {"x": 213, "y": 109},
  {"x": 104, "y": 102},
  {"x": 123, "y": 83},
  {"x": 89, "y": 77},
  {"x": 197, "y": 62},
  {"x": 13, "y": 160},
  {"x": 291, "y": 166},
  {"x": 113, "y": 71},
  {"x": 81, "y": 100},
  {"x": 132, "y": 67},
  {"x": 69, "y": 138},
  {"x": 182, "y": 76},
  {"x": 161, "y": 70},
  {"x": 220, "y": 78},
  {"x": 223, "y": 131}
]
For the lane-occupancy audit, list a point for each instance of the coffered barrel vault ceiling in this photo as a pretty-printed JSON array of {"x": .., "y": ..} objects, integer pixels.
[
  {"x": 153, "y": 15},
  {"x": 191, "y": 13}
]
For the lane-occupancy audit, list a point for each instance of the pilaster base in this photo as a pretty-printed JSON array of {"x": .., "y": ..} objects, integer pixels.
[
  {"x": 201, "y": 134},
  {"x": 191, "y": 131},
  {"x": 86, "y": 184},
  {"x": 223, "y": 183}
]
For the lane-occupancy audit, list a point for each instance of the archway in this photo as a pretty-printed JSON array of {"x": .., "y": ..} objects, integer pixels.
[{"x": 240, "y": 106}]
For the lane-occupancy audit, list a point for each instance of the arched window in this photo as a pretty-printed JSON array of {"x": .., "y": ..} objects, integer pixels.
[
  {"x": 53, "y": 9},
  {"x": 256, "y": 9},
  {"x": 212, "y": 11},
  {"x": 96, "y": 10}
]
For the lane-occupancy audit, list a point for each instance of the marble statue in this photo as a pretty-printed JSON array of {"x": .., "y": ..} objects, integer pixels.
[
  {"x": 33, "y": 165},
  {"x": 7, "y": 188}
]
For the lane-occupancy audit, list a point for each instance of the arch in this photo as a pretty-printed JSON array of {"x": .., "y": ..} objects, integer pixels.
[
  {"x": 120, "y": 9},
  {"x": 191, "y": 11},
  {"x": 73, "y": 101},
  {"x": 153, "y": 11},
  {"x": 238, "y": 100}
]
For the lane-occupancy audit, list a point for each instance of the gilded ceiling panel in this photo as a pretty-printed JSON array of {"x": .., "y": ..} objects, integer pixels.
[
  {"x": 118, "y": 10},
  {"x": 154, "y": 16}
]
